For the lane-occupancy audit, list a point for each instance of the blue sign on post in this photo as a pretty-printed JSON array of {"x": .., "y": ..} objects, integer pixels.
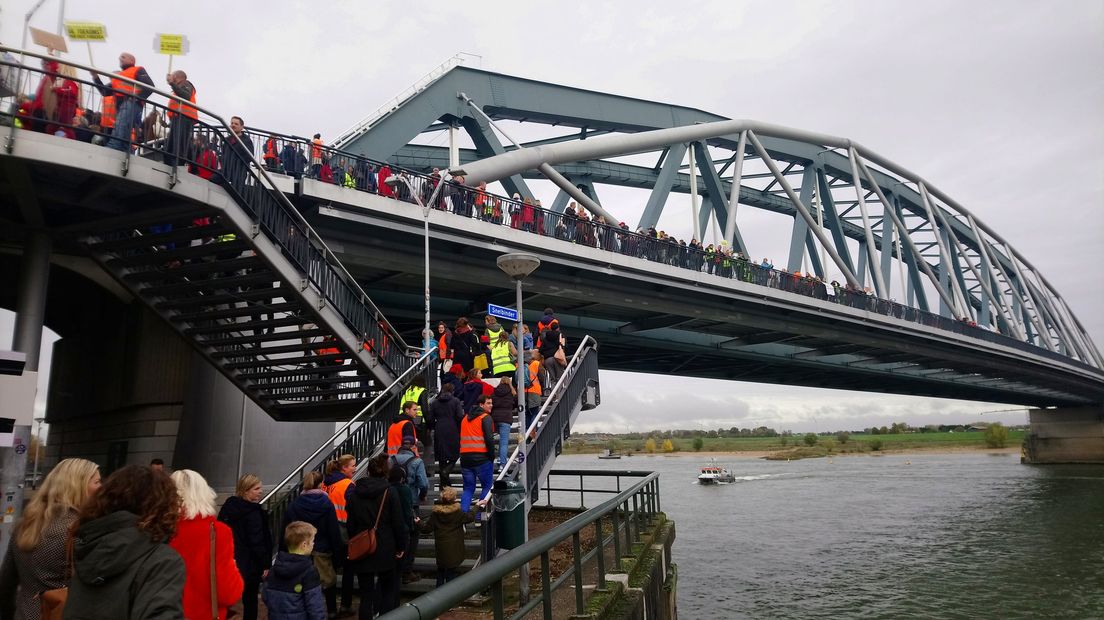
[{"x": 502, "y": 312}]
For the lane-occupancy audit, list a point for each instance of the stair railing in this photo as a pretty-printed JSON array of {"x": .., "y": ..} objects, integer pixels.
[{"x": 360, "y": 436}]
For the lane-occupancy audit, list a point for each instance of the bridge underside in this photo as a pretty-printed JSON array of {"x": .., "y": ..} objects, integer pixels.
[{"x": 647, "y": 322}]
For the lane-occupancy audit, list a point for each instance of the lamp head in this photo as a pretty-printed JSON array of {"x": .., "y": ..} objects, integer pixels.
[{"x": 518, "y": 265}]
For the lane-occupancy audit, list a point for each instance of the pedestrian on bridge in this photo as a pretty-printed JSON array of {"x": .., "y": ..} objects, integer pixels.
[
  {"x": 182, "y": 118},
  {"x": 446, "y": 411},
  {"x": 477, "y": 451},
  {"x": 122, "y": 101}
]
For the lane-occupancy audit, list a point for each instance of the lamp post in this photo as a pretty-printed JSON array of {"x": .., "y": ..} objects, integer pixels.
[
  {"x": 518, "y": 266},
  {"x": 394, "y": 181}
]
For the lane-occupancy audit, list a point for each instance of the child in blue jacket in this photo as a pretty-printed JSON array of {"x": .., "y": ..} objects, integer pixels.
[{"x": 293, "y": 590}]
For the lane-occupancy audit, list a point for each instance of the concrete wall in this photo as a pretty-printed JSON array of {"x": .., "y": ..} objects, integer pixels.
[
  {"x": 1066, "y": 435},
  {"x": 132, "y": 390}
]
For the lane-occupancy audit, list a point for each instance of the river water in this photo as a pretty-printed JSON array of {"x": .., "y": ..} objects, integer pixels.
[{"x": 964, "y": 535}]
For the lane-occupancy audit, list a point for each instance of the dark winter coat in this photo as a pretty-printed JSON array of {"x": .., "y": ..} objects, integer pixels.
[
  {"x": 473, "y": 390},
  {"x": 457, "y": 382},
  {"x": 465, "y": 346},
  {"x": 447, "y": 412},
  {"x": 363, "y": 504},
  {"x": 119, "y": 572},
  {"x": 475, "y": 459},
  {"x": 503, "y": 404},
  {"x": 446, "y": 523},
  {"x": 315, "y": 507},
  {"x": 252, "y": 537},
  {"x": 550, "y": 343},
  {"x": 293, "y": 590}
]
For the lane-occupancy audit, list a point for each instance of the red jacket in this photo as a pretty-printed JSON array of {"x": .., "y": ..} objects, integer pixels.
[
  {"x": 383, "y": 175},
  {"x": 193, "y": 543}
]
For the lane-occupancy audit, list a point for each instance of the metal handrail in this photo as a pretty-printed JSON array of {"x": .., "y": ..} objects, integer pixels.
[
  {"x": 586, "y": 346},
  {"x": 257, "y": 170},
  {"x": 492, "y": 573},
  {"x": 418, "y": 86},
  {"x": 384, "y": 394}
]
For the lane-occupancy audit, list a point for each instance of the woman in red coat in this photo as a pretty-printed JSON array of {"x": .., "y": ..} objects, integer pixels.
[{"x": 193, "y": 543}]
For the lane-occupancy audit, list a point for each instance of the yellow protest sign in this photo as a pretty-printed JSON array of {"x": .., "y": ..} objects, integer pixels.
[
  {"x": 172, "y": 44},
  {"x": 85, "y": 31}
]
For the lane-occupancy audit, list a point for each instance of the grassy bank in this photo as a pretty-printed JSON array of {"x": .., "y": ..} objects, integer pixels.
[{"x": 825, "y": 444}]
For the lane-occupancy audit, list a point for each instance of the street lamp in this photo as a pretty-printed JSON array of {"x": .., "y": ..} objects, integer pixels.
[
  {"x": 518, "y": 266},
  {"x": 394, "y": 181},
  {"x": 38, "y": 452}
]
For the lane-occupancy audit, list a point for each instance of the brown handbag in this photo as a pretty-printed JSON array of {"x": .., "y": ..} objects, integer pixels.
[
  {"x": 364, "y": 543},
  {"x": 52, "y": 602}
]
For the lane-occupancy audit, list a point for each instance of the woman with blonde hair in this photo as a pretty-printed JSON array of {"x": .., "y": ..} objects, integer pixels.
[
  {"x": 36, "y": 559},
  {"x": 253, "y": 548},
  {"x": 197, "y": 533}
]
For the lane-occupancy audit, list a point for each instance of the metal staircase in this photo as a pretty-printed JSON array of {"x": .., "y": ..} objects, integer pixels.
[{"x": 226, "y": 260}]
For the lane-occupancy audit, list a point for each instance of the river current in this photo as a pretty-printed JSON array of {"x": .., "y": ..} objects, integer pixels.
[{"x": 964, "y": 535}]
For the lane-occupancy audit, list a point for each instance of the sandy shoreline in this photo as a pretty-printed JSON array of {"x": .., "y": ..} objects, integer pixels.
[{"x": 758, "y": 454}]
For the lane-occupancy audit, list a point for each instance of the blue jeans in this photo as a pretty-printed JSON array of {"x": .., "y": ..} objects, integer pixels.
[
  {"x": 503, "y": 443},
  {"x": 485, "y": 474},
  {"x": 126, "y": 117}
]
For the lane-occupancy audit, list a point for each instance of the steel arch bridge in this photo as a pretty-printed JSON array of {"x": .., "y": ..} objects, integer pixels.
[{"x": 855, "y": 215}]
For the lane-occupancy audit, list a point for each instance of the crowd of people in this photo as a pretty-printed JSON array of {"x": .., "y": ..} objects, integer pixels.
[{"x": 143, "y": 544}]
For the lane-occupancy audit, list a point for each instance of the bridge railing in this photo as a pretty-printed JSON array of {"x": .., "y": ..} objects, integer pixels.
[
  {"x": 57, "y": 99},
  {"x": 361, "y": 173},
  {"x": 618, "y": 523}
]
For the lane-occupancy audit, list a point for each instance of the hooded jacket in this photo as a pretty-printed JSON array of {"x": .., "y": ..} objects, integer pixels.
[
  {"x": 315, "y": 507},
  {"x": 465, "y": 346},
  {"x": 447, "y": 411},
  {"x": 119, "y": 572},
  {"x": 363, "y": 500},
  {"x": 293, "y": 590},
  {"x": 446, "y": 523},
  {"x": 473, "y": 390},
  {"x": 503, "y": 404},
  {"x": 252, "y": 538}
]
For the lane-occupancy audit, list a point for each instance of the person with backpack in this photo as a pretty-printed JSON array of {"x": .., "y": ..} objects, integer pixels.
[{"x": 408, "y": 480}]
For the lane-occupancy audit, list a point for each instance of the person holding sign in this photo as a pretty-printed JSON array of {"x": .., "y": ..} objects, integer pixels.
[
  {"x": 182, "y": 117},
  {"x": 122, "y": 105}
]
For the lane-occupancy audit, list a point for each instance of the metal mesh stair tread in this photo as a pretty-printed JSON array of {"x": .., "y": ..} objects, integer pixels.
[
  {"x": 226, "y": 298},
  {"x": 190, "y": 270},
  {"x": 249, "y": 310},
  {"x": 199, "y": 286},
  {"x": 185, "y": 253}
]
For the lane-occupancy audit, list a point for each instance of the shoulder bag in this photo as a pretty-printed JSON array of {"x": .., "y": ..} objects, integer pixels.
[{"x": 364, "y": 543}]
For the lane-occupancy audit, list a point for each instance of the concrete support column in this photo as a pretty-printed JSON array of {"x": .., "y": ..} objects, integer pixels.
[
  {"x": 30, "y": 312},
  {"x": 1065, "y": 435}
]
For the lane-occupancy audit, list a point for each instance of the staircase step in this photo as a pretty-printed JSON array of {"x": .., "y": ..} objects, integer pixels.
[
  {"x": 266, "y": 386},
  {"x": 276, "y": 374},
  {"x": 246, "y": 326},
  {"x": 203, "y": 286},
  {"x": 296, "y": 395},
  {"x": 335, "y": 410},
  {"x": 192, "y": 270},
  {"x": 426, "y": 548},
  {"x": 151, "y": 240},
  {"x": 182, "y": 254},
  {"x": 230, "y": 312},
  {"x": 428, "y": 566},
  {"x": 251, "y": 294},
  {"x": 281, "y": 361},
  {"x": 271, "y": 337}
]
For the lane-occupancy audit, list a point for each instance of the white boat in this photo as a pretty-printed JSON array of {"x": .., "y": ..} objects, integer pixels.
[{"x": 715, "y": 474}]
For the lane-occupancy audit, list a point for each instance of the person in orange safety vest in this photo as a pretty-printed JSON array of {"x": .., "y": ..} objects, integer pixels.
[
  {"x": 403, "y": 427},
  {"x": 477, "y": 451}
]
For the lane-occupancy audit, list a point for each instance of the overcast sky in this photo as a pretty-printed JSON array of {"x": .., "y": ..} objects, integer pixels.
[{"x": 999, "y": 104}]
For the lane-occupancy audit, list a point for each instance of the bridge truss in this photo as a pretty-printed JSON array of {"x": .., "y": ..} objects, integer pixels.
[{"x": 855, "y": 215}]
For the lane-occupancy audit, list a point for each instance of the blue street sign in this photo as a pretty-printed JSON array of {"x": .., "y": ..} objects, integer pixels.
[{"x": 502, "y": 312}]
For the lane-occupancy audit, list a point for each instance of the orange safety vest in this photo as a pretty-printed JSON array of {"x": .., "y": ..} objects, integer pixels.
[
  {"x": 395, "y": 436},
  {"x": 183, "y": 108},
  {"x": 336, "y": 491},
  {"x": 471, "y": 435},
  {"x": 541, "y": 328},
  {"x": 330, "y": 350},
  {"x": 442, "y": 348},
  {"x": 535, "y": 388},
  {"x": 121, "y": 88},
  {"x": 270, "y": 149},
  {"x": 316, "y": 149}
]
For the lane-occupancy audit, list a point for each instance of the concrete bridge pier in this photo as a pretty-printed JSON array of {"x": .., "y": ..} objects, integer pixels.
[{"x": 1065, "y": 435}]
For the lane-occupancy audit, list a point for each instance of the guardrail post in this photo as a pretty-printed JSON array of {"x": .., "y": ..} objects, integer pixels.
[
  {"x": 636, "y": 513},
  {"x": 497, "y": 598},
  {"x": 616, "y": 540},
  {"x": 601, "y": 555},
  {"x": 577, "y": 551},
  {"x": 546, "y": 586}
]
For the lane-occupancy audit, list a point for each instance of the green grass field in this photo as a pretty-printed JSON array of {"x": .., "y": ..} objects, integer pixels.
[{"x": 856, "y": 443}]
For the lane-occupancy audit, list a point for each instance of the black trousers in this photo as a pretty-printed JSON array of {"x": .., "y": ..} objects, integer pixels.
[
  {"x": 179, "y": 144},
  {"x": 379, "y": 593},
  {"x": 249, "y": 599}
]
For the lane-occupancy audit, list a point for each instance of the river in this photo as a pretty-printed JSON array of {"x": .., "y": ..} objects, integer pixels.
[{"x": 962, "y": 535}]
